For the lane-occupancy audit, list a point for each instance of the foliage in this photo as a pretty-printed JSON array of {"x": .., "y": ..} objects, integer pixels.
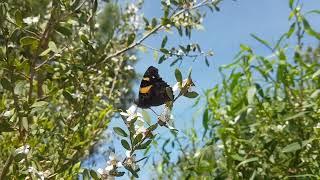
[
  {"x": 263, "y": 120},
  {"x": 57, "y": 94}
]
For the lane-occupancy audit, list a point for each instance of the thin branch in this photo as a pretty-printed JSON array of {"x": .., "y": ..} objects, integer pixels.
[
  {"x": 154, "y": 30},
  {"x": 6, "y": 166},
  {"x": 49, "y": 59},
  {"x": 26, "y": 30},
  {"x": 115, "y": 78},
  {"x": 170, "y": 53}
]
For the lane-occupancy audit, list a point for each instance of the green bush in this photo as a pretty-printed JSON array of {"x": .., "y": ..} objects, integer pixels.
[{"x": 262, "y": 121}]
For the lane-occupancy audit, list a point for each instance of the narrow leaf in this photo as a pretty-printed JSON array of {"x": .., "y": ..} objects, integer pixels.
[
  {"x": 191, "y": 94},
  {"x": 178, "y": 75},
  {"x": 125, "y": 144},
  {"x": 164, "y": 42},
  {"x": 120, "y": 132}
]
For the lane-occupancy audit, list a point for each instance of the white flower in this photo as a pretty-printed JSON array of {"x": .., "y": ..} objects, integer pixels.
[
  {"x": 23, "y": 149},
  {"x": 105, "y": 173},
  {"x": 167, "y": 2},
  {"x": 113, "y": 161},
  {"x": 34, "y": 171},
  {"x": 165, "y": 116},
  {"x": 180, "y": 52},
  {"x": 279, "y": 128},
  {"x": 140, "y": 129},
  {"x": 131, "y": 161},
  {"x": 31, "y": 19},
  {"x": 132, "y": 8},
  {"x": 185, "y": 82},
  {"x": 132, "y": 113}
]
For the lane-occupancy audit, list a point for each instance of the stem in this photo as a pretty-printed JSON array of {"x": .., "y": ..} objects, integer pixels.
[{"x": 6, "y": 166}]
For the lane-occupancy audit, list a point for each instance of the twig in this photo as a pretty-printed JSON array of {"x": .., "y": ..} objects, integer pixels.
[
  {"x": 6, "y": 166},
  {"x": 26, "y": 30},
  {"x": 115, "y": 78},
  {"x": 49, "y": 59},
  {"x": 155, "y": 29},
  {"x": 170, "y": 53}
]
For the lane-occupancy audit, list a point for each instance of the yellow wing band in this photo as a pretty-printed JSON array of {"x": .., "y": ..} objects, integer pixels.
[
  {"x": 146, "y": 89},
  {"x": 146, "y": 79}
]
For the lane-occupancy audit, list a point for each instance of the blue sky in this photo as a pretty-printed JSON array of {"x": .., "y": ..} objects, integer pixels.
[{"x": 224, "y": 32}]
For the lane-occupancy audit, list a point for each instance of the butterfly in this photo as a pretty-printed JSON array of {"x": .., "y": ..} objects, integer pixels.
[{"x": 153, "y": 90}]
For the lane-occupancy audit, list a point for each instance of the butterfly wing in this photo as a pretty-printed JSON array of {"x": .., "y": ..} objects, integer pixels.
[{"x": 152, "y": 89}]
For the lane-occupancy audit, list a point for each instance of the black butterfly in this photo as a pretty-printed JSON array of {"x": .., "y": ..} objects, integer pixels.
[{"x": 153, "y": 90}]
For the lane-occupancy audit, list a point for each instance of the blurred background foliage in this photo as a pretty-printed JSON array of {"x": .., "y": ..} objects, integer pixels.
[
  {"x": 63, "y": 75},
  {"x": 262, "y": 121},
  {"x": 57, "y": 92}
]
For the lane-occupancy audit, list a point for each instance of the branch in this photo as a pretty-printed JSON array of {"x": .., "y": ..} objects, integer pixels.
[
  {"x": 6, "y": 166},
  {"x": 154, "y": 30}
]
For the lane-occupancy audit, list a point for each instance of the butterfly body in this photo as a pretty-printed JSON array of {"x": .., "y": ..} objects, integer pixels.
[{"x": 153, "y": 90}]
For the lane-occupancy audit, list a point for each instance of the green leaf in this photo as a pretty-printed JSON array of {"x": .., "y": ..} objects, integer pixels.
[
  {"x": 85, "y": 174},
  {"x": 68, "y": 96},
  {"x": 251, "y": 94},
  {"x": 164, "y": 42},
  {"x": 76, "y": 167},
  {"x": 94, "y": 175},
  {"x": 29, "y": 40},
  {"x": 165, "y": 51},
  {"x": 191, "y": 94},
  {"x": 178, "y": 75},
  {"x": 64, "y": 29},
  {"x": 153, "y": 127},
  {"x": 309, "y": 29},
  {"x": 300, "y": 114},
  {"x": 52, "y": 46},
  {"x": 154, "y": 22},
  {"x": 131, "y": 38},
  {"x": 39, "y": 104},
  {"x": 95, "y": 6},
  {"x": 264, "y": 42},
  {"x": 84, "y": 39},
  {"x": 205, "y": 121},
  {"x": 6, "y": 84},
  {"x": 291, "y": 147},
  {"x": 25, "y": 123},
  {"x": 125, "y": 144},
  {"x": 291, "y": 30},
  {"x": 120, "y": 132},
  {"x": 18, "y": 18},
  {"x": 5, "y": 126},
  {"x": 45, "y": 52},
  {"x": 291, "y": 3},
  {"x": 145, "y": 145},
  {"x": 259, "y": 89},
  {"x": 316, "y": 11},
  {"x": 247, "y": 161},
  {"x": 169, "y": 92},
  {"x": 162, "y": 58},
  {"x": 137, "y": 139},
  {"x": 316, "y": 74}
]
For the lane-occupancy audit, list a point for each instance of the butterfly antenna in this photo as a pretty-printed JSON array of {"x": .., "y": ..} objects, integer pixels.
[{"x": 153, "y": 111}]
